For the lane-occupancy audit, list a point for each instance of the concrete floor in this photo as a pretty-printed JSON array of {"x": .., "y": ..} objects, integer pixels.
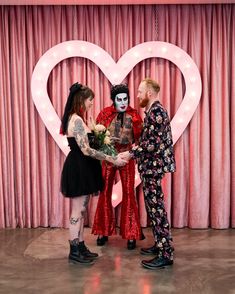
[{"x": 35, "y": 261}]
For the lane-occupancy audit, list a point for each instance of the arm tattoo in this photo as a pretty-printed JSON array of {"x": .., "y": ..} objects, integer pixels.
[
  {"x": 78, "y": 128},
  {"x": 82, "y": 140}
]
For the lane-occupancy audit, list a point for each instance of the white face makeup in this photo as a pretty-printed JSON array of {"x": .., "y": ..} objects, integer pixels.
[{"x": 121, "y": 102}]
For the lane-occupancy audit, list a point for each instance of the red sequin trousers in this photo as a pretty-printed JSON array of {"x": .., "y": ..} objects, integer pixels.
[{"x": 104, "y": 221}]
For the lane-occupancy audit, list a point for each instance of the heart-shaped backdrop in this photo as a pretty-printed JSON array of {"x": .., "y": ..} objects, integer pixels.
[{"x": 115, "y": 73}]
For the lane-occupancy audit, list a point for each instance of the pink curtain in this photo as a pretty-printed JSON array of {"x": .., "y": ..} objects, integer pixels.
[{"x": 201, "y": 193}]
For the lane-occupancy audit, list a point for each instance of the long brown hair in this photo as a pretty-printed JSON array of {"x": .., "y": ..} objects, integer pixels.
[{"x": 79, "y": 98}]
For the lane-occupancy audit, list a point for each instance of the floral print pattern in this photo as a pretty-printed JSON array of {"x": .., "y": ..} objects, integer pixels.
[
  {"x": 155, "y": 157},
  {"x": 155, "y": 154},
  {"x": 154, "y": 202}
]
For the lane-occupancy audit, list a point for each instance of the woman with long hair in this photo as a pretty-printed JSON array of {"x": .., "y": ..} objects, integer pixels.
[{"x": 81, "y": 174}]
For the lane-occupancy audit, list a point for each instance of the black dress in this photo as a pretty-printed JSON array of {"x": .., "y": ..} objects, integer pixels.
[{"x": 81, "y": 174}]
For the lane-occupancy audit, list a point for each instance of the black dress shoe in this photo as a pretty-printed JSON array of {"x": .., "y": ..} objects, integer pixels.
[
  {"x": 156, "y": 263},
  {"x": 131, "y": 244},
  {"x": 101, "y": 240},
  {"x": 149, "y": 251}
]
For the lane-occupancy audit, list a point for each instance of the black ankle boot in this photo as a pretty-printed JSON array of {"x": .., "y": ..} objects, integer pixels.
[
  {"x": 85, "y": 251},
  {"x": 76, "y": 256}
]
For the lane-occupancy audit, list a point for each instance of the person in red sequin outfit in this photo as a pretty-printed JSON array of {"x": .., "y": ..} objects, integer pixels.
[{"x": 125, "y": 126}]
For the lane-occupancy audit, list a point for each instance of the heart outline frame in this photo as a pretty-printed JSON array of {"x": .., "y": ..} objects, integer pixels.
[{"x": 115, "y": 73}]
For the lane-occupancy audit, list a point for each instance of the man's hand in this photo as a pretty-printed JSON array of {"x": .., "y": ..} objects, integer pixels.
[
  {"x": 115, "y": 140},
  {"x": 120, "y": 161},
  {"x": 125, "y": 155}
]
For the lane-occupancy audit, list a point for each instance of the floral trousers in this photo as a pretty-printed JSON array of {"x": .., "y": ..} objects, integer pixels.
[{"x": 154, "y": 202}]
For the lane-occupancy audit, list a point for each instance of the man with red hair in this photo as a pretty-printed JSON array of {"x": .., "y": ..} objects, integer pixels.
[{"x": 155, "y": 157}]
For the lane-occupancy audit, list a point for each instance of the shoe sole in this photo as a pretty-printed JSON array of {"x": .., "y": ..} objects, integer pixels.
[
  {"x": 156, "y": 267},
  {"x": 79, "y": 262},
  {"x": 145, "y": 253}
]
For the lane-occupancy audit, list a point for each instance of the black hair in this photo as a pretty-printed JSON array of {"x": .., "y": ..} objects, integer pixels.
[{"x": 117, "y": 89}]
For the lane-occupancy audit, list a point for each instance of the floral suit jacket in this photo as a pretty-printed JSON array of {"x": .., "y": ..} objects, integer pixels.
[{"x": 154, "y": 154}]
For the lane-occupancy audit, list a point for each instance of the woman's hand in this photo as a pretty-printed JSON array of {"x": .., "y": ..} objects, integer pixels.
[{"x": 118, "y": 161}]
